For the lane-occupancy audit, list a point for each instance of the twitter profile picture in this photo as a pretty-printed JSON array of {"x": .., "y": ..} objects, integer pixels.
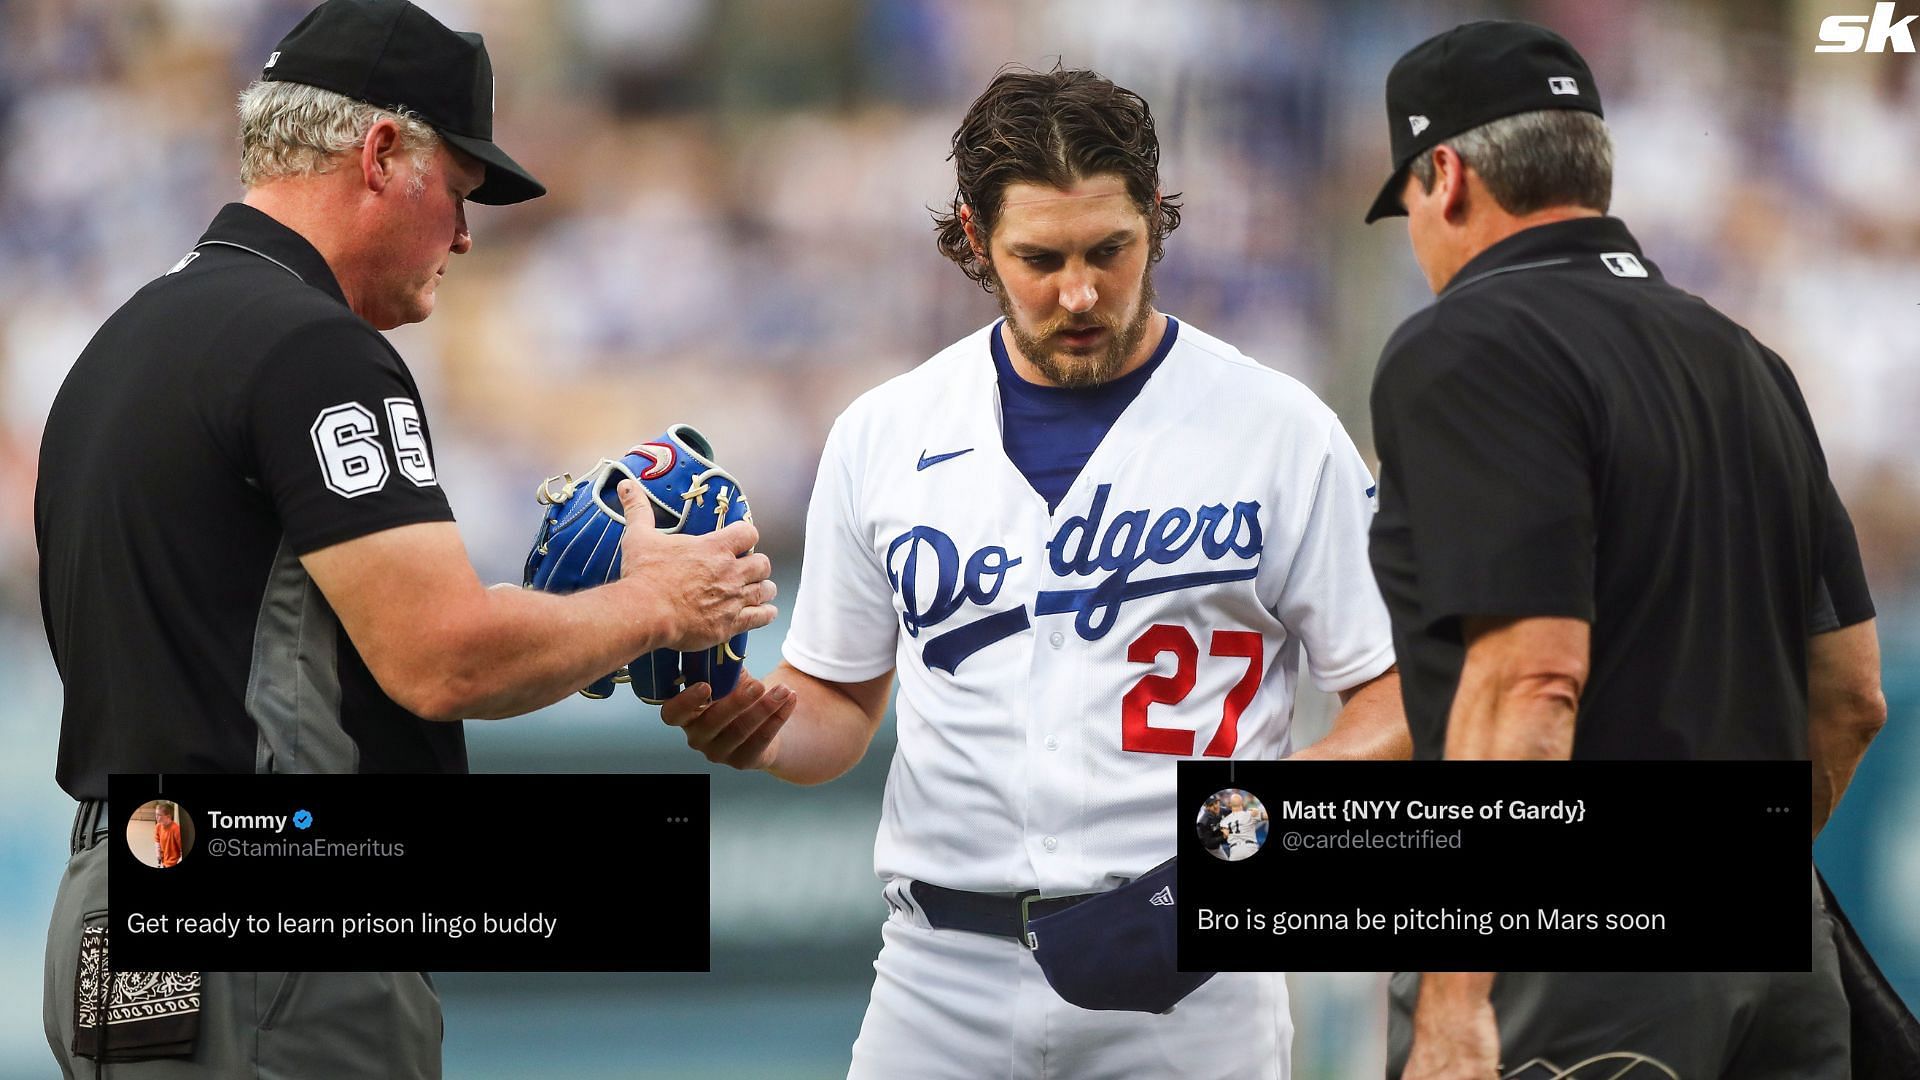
[
  {"x": 1232, "y": 824},
  {"x": 160, "y": 833}
]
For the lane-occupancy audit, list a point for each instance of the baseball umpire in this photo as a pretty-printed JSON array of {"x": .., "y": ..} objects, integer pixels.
[
  {"x": 1606, "y": 531},
  {"x": 248, "y": 564}
]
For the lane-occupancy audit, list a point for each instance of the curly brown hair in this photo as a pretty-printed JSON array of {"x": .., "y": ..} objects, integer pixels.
[{"x": 1052, "y": 128}]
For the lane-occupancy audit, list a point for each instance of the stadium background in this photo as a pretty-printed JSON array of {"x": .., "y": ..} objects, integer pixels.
[{"x": 738, "y": 237}]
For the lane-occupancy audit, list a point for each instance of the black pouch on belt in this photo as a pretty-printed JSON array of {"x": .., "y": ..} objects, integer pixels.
[
  {"x": 1117, "y": 950},
  {"x": 1885, "y": 1035},
  {"x": 123, "y": 1016}
]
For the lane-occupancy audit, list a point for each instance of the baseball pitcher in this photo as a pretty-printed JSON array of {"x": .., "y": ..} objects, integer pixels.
[{"x": 1086, "y": 541}]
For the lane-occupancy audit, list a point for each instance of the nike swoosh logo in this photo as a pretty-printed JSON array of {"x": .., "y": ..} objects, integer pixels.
[{"x": 929, "y": 462}]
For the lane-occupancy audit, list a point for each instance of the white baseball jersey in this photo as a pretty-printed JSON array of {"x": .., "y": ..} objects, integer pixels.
[
  {"x": 1054, "y": 664},
  {"x": 1242, "y": 830}
]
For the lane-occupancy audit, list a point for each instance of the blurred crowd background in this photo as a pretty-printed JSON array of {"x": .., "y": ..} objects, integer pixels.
[{"x": 738, "y": 237}]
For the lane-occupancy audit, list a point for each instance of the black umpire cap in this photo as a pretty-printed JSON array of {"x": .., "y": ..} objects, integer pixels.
[
  {"x": 391, "y": 54},
  {"x": 1472, "y": 75}
]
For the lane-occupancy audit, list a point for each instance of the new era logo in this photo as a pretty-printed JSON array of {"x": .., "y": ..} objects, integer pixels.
[
  {"x": 1623, "y": 264},
  {"x": 1564, "y": 84},
  {"x": 1419, "y": 123},
  {"x": 1163, "y": 898},
  {"x": 271, "y": 60}
]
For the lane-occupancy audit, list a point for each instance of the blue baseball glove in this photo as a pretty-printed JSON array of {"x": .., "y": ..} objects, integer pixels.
[{"x": 578, "y": 546}]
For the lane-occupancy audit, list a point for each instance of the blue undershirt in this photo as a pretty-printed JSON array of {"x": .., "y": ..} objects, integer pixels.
[{"x": 1049, "y": 431}]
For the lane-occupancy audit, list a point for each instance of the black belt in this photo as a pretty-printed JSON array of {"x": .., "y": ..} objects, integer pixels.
[
  {"x": 1000, "y": 914},
  {"x": 89, "y": 825}
]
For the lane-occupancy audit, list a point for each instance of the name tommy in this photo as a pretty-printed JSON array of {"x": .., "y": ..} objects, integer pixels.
[{"x": 220, "y": 819}]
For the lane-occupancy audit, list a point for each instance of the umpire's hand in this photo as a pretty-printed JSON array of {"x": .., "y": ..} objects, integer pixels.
[
  {"x": 1454, "y": 1040},
  {"x": 739, "y": 729},
  {"x": 708, "y": 588}
]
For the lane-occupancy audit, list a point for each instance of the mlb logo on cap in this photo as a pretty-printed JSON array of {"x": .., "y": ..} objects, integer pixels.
[{"x": 1564, "y": 84}]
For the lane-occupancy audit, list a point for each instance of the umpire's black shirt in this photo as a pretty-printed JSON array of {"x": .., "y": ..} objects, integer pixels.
[
  {"x": 233, "y": 416},
  {"x": 1565, "y": 434}
]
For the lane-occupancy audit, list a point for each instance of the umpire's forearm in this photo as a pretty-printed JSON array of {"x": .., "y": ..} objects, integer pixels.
[
  {"x": 1455, "y": 1032},
  {"x": 1845, "y": 710},
  {"x": 528, "y": 649},
  {"x": 445, "y": 647},
  {"x": 1519, "y": 689},
  {"x": 1443, "y": 993}
]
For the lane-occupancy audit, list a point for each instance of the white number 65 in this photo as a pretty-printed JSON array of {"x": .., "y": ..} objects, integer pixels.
[{"x": 346, "y": 439}]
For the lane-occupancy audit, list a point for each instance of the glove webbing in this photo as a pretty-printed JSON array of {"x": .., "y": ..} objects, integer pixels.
[{"x": 545, "y": 496}]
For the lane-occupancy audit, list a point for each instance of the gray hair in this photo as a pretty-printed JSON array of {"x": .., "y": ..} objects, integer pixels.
[
  {"x": 1534, "y": 160},
  {"x": 291, "y": 129}
]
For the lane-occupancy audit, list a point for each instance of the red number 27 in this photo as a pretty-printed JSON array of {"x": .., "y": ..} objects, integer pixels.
[{"x": 1141, "y": 737}]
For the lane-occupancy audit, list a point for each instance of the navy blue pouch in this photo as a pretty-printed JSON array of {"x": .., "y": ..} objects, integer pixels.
[{"x": 1117, "y": 950}]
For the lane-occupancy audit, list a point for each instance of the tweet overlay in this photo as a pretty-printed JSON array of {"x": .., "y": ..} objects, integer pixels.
[
  {"x": 1494, "y": 866},
  {"x": 443, "y": 873}
]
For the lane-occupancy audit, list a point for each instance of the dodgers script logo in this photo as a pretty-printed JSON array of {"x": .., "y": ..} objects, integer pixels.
[{"x": 934, "y": 582}]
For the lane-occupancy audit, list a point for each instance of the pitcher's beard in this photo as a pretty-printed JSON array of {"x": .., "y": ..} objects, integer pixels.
[{"x": 1080, "y": 371}]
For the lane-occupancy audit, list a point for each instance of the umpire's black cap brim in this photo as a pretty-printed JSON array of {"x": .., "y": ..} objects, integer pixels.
[
  {"x": 1387, "y": 203},
  {"x": 507, "y": 180}
]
